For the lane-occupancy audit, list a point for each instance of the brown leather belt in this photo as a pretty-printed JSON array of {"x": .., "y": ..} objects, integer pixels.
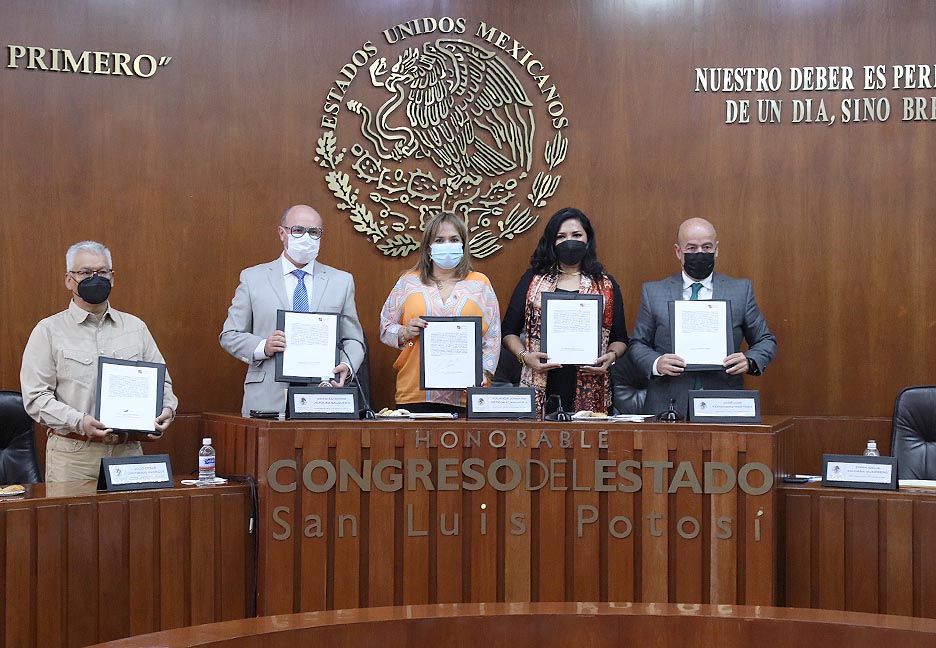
[{"x": 111, "y": 438}]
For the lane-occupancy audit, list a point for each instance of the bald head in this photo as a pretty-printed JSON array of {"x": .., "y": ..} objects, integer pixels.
[
  {"x": 695, "y": 228},
  {"x": 297, "y": 213}
]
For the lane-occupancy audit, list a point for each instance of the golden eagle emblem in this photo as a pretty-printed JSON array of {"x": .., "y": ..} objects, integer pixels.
[{"x": 456, "y": 133}]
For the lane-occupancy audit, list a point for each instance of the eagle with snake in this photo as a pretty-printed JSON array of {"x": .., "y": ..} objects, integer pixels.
[{"x": 464, "y": 110}]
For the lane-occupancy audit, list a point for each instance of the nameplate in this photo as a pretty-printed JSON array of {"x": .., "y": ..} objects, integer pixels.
[
  {"x": 501, "y": 403},
  {"x": 134, "y": 473},
  {"x": 855, "y": 471},
  {"x": 322, "y": 403},
  {"x": 724, "y": 406}
]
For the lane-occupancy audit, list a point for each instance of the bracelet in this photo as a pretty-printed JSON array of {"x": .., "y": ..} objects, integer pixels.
[{"x": 521, "y": 355}]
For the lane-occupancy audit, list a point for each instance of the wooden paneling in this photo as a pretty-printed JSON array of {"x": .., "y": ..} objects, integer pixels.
[
  {"x": 813, "y": 436},
  {"x": 185, "y": 174},
  {"x": 80, "y": 567},
  {"x": 864, "y": 551},
  {"x": 549, "y": 625},
  {"x": 548, "y": 537}
]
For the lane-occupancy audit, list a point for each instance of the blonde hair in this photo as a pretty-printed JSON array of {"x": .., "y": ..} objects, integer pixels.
[{"x": 424, "y": 265}]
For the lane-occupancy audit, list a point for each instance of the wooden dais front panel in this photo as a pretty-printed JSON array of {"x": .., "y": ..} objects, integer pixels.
[
  {"x": 860, "y": 550},
  {"x": 567, "y": 541},
  {"x": 78, "y": 567}
]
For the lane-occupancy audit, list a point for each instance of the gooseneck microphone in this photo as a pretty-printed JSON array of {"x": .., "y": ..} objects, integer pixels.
[
  {"x": 368, "y": 412},
  {"x": 557, "y": 414}
]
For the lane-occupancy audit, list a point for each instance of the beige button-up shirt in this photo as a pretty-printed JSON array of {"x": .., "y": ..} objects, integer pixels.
[{"x": 59, "y": 373}]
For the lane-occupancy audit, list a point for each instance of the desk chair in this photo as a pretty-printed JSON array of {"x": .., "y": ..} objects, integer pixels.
[
  {"x": 19, "y": 463},
  {"x": 914, "y": 437},
  {"x": 628, "y": 386}
]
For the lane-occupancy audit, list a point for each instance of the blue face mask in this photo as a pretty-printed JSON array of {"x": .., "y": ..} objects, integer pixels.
[{"x": 447, "y": 255}]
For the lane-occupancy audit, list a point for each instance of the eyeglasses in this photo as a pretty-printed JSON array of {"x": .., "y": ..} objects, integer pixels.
[
  {"x": 81, "y": 275},
  {"x": 299, "y": 231},
  {"x": 692, "y": 249}
]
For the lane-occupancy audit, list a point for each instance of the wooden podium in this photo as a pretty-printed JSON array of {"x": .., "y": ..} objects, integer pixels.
[{"x": 378, "y": 513}]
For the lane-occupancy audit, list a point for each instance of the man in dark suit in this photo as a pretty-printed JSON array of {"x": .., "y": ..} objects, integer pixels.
[
  {"x": 294, "y": 281},
  {"x": 652, "y": 341}
]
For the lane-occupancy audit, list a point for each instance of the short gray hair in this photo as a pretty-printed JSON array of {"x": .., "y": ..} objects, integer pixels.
[{"x": 87, "y": 246}]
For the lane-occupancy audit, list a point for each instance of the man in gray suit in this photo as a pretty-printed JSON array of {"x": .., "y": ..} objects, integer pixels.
[
  {"x": 294, "y": 281},
  {"x": 652, "y": 341}
]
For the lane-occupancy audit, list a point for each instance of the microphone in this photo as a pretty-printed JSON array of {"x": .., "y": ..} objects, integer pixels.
[
  {"x": 558, "y": 414},
  {"x": 669, "y": 415},
  {"x": 368, "y": 412}
]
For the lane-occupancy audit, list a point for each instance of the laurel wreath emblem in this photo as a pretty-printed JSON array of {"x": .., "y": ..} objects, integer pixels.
[{"x": 472, "y": 140}]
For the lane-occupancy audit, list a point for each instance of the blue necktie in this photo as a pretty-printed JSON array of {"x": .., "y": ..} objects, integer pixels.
[
  {"x": 300, "y": 296},
  {"x": 696, "y": 287}
]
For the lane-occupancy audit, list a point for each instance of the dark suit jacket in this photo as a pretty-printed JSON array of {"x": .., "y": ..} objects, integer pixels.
[{"x": 652, "y": 338}]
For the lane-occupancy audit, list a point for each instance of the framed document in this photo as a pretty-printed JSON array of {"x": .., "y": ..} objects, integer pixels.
[
  {"x": 513, "y": 403},
  {"x": 855, "y": 471},
  {"x": 311, "y": 346},
  {"x": 322, "y": 403},
  {"x": 724, "y": 406},
  {"x": 129, "y": 394},
  {"x": 450, "y": 353},
  {"x": 701, "y": 332},
  {"x": 571, "y": 327}
]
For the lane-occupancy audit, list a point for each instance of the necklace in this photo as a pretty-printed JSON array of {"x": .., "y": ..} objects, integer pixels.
[
  {"x": 570, "y": 274},
  {"x": 439, "y": 284}
]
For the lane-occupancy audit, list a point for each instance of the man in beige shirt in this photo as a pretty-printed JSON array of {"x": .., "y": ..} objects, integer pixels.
[{"x": 59, "y": 373}]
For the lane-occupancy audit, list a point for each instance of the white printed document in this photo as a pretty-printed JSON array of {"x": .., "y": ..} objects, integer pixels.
[
  {"x": 129, "y": 394},
  {"x": 311, "y": 346},
  {"x": 571, "y": 328},
  {"x": 450, "y": 353},
  {"x": 700, "y": 332}
]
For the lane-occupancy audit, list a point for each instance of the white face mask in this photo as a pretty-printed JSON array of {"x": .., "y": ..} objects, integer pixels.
[{"x": 303, "y": 249}]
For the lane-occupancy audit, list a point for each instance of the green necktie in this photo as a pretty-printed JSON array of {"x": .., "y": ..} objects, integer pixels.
[{"x": 696, "y": 287}]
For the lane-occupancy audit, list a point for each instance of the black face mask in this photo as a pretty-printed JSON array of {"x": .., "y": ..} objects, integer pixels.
[
  {"x": 94, "y": 289},
  {"x": 571, "y": 252},
  {"x": 698, "y": 265}
]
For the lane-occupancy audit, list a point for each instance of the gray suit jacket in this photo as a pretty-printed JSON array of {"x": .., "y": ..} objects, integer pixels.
[
  {"x": 252, "y": 317},
  {"x": 652, "y": 338}
]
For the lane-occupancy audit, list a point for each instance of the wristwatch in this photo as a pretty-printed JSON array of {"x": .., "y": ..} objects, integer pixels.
[{"x": 752, "y": 368}]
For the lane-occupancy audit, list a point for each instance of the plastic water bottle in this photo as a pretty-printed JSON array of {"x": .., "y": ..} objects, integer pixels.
[
  {"x": 206, "y": 462},
  {"x": 871, "y": 450}
]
